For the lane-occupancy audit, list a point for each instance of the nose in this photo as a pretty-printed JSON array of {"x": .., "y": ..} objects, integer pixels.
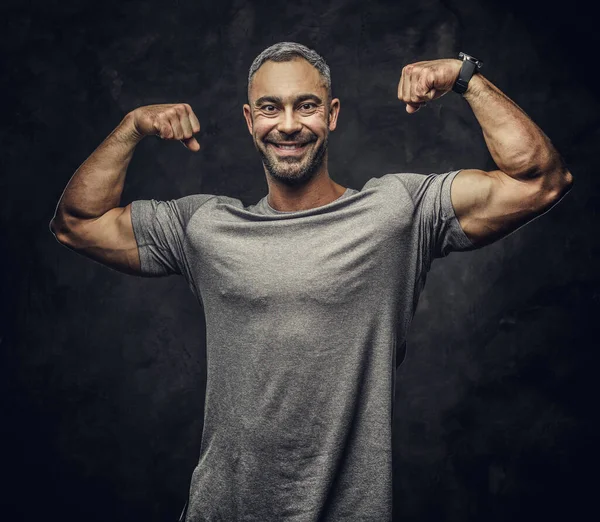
[{"x": 289, "y": 122}]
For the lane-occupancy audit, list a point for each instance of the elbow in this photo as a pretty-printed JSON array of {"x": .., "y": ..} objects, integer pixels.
[
  {"x": 58, "y": 233},
  {"x": 55, "y": 227},
  {"x": 564, "y": 184},
  {"x": 557, "y": 185},
  {"x": 550, "y": 178},
  {"x": 568, "y": 179},
  {"x": 60, "y": 230}
]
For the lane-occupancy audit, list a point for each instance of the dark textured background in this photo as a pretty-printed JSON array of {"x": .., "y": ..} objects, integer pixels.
[{"x": 102, "y": 375}]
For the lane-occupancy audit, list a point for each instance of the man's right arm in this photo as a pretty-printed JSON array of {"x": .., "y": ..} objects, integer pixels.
[{"x": 88, "y": 217}]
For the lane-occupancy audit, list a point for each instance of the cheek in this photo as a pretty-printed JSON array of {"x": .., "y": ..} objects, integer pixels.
[
  {"x": 262, "y": 129},
  {"x": 319, "y": 130},
  {"x": 318, "y": 123}
]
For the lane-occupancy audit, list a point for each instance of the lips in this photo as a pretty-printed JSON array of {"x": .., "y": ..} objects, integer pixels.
[
  {"x": 297, "y": 149},
  {"x": 289, "y": 145}
]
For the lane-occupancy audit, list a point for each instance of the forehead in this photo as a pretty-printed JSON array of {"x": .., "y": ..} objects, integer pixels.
[{"x": 285, "y": 79}]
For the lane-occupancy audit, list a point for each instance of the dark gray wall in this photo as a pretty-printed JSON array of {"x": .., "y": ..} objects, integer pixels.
[{"x": 102, "y": 375}]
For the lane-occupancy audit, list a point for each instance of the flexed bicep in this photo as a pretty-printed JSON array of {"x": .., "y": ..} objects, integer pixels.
[
  {"x": 491, "y": 205},
  {"x": 109, "y": 240}
]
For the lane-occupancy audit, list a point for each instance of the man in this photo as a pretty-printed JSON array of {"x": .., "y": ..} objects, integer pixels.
[{"x": 307, "y": 293}]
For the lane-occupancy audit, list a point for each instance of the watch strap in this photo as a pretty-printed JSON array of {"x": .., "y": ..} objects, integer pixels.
[{"x": 465, "y": 74}]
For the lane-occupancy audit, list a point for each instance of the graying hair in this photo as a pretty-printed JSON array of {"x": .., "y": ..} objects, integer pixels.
[{"x": 287, "y": 51}]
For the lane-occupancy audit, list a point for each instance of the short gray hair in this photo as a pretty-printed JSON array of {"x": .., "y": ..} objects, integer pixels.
[{"x": 287, "y": 51}]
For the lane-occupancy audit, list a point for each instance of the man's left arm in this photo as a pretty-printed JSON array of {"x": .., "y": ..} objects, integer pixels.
[{"x": 531, "y": 176}]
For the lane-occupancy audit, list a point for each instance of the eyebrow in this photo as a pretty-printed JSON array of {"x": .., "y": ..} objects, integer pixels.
[{"x": 279, "y": 100}]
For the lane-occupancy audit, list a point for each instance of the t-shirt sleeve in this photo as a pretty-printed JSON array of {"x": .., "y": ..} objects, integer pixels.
[
  {"x": 160, "y": 229},
  {"x": 438, "y": 227}
]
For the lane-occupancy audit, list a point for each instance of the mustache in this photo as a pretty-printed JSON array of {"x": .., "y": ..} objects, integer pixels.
[{"x": 300, "y": 141}]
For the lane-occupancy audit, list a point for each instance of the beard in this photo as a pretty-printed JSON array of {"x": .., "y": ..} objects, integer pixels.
[{"x": 291, "y": 170}]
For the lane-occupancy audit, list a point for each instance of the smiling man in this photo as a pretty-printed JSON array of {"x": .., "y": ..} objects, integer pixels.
[
  {"x": 308, "y": 293},
  {"x": 290, "y": 117}
]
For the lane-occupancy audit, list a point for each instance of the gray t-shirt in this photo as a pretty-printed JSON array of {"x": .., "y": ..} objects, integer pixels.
[{"x": 304, "y": 311}]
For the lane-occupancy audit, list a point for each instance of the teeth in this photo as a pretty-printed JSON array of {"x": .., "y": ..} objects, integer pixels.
[{"x": 288, "y": 147}]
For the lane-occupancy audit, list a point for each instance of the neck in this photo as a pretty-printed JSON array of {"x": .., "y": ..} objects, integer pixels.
[{"x": 318, "y": 191}]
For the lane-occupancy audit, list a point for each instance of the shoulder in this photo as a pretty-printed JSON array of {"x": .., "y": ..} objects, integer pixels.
[
  {"x": 179, "y": 210},
  {"x": 412, "y": 184},
  {"x": 187, "y": 206}
]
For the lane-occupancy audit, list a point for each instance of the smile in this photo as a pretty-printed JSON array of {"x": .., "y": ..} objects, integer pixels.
[{"x": 289, "y": 149}]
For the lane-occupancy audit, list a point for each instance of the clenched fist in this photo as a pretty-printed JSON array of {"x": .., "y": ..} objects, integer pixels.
[
  {"x": 170, "y": 121},
  {"x": 422, "y": 82}
]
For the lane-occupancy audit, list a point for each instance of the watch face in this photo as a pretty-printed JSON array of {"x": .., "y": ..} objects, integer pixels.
[{"x": 464, "y": 56}]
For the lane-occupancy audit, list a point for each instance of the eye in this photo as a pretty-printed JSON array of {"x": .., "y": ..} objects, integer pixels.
[
  {"x": 308, "y": 105},
  {"x": 266, "y": 107}
]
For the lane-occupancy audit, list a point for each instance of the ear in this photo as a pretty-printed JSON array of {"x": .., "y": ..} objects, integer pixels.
[
  {"x": 248, "y": 116},
  {"x": 334, "y": 110}
]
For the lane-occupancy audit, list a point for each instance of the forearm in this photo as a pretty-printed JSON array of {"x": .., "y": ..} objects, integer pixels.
[
  {"x": 97, "y": 185},
  {"x": 517, "y": 145}
]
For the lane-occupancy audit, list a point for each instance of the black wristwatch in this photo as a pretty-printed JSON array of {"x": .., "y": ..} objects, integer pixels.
[{"x": 469, "y": 67}]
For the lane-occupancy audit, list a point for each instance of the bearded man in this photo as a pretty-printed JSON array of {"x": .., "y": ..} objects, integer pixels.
[{"x": 308, "y": 293}]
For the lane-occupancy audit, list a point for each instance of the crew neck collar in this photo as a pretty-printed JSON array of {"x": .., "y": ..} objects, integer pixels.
[{"x": 271, "y": 209}]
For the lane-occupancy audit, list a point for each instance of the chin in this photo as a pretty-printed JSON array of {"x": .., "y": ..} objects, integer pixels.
[
  {"x": 295, "y": 177},
  {"x": 303, "y": 169}
]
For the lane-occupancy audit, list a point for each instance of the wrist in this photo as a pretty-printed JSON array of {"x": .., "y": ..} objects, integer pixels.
[
  {"x": 476, "y": 84},
  {"x": 468, "y": 68},
  {"x": 129, "y": 131}
]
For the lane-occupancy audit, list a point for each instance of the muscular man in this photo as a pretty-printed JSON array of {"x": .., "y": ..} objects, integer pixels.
[{"x": 308, "y": 292}]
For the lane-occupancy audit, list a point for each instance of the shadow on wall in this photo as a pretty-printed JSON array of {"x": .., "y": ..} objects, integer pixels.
[{"x": 521, "y": 441}]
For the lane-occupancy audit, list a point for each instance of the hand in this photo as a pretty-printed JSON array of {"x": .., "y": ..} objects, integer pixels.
[
  {"x": 422, "y": 82},
  {"x": 170, "y": 121}
]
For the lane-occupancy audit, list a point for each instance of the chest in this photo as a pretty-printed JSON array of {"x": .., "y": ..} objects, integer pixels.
[{"x": 308, "y": 260}]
